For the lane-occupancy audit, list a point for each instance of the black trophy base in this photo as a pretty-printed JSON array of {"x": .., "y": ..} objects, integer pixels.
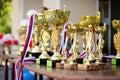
[
  {"x": 82, "y": 61},
  {"x": 20, "y": 53},
  {"x": 36, "y": 55},
  {"x": 112, "y": 59},
  {"x": 43, "y": 61},
  {"x": 52, "y": 63}
]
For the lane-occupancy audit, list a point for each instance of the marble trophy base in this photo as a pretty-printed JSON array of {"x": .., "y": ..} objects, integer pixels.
[
  {"x": 73, "y": 66},
  {"x": 60, "y": 65},
  {"x": 102, "y": 65},
  {"x": 52, "y": 63},
  {"x": 91, "y": 67}
]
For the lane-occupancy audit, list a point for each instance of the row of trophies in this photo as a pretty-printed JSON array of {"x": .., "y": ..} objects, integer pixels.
[{"x": 46, "y": 40}]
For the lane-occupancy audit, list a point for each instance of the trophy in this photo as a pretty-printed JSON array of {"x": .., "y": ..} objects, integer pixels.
[
  {"x": 74, "y": 28},
  {"x": 100, "y": 30},
  {"x": 22, "y": 34},
  {"x": 56, "y": 18},
  {"x": 91, "y": 22},
  {"x": 116, "y": 25},
  {"x": 44, "y": 38},
  {"x": 36, "y": 34}
]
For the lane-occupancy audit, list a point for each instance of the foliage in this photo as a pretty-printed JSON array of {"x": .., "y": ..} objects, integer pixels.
[{"x": 5, "y": 16}]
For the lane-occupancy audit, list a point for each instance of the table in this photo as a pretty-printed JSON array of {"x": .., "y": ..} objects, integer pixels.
[
  {"x": 6, "y": 57},
  {"x": 113, "y": 73}
]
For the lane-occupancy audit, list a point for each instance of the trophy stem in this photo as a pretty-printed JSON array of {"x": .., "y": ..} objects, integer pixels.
[
  {"x": 44, "y": 54},
  {"x": 118, "y": 55},
  {"x": 55, "y": 36}
]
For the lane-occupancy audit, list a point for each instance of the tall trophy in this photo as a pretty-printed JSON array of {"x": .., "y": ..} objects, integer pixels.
[
  {"x": 36, "y": 34},
  {"x": 56, "y": 18},
  {"x": 100, "y": 30},
  {"x": 116, "y": 25},
  {"x": 73, "y": 29},
  {"x": 44, "y": 38},
  {"x": 91, "y": 22}
]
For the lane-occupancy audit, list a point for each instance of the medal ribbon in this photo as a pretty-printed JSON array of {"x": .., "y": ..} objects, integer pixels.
[
  {"x": 27, "y": 42},
  {"x": 64, "y": 34}
]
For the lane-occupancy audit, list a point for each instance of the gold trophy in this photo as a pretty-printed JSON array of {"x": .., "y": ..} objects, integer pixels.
[
  {"x": 83, "y": 35},
  {"x": 56, "y": 18},
  {"x": 74, "y": 28},
  {"x": 44, "y": 38},
  {"x": 22, "y": 34},
  {"x": 91, "y": 22},
  {"x": 116, "y": 25},
  {"x": 35, "y": 39},
  {"x": 100, "y": 30}
]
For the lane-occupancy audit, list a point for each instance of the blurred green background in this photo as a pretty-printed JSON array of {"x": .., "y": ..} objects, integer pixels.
[{"x": 5, "y": 16}]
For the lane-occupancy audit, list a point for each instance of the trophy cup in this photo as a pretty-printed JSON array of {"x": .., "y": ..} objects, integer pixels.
[
  {"x": 74, "y": 29},
  {"x": 35, "y": 39},
  {"x": 44, "y": 38},
  {"x": 116, "y": 25},
  {"x": 91, "y": 22},
  {"x": 56, "y": 18},
  {"x": 22, "y": 34},
  {"x": 99, "y": 56},
  {"x": 100, "y": 30}
]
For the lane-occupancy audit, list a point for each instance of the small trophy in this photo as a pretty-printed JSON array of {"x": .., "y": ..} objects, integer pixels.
[{"x": 22, "y": 34}]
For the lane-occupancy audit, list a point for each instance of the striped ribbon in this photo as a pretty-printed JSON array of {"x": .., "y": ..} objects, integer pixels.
[
  {"x": 17, "y": 68},
  {"x": 64, "y": 34},
  {"x": 84, "y": 53},
  {"x": 24, "y": 53}
]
